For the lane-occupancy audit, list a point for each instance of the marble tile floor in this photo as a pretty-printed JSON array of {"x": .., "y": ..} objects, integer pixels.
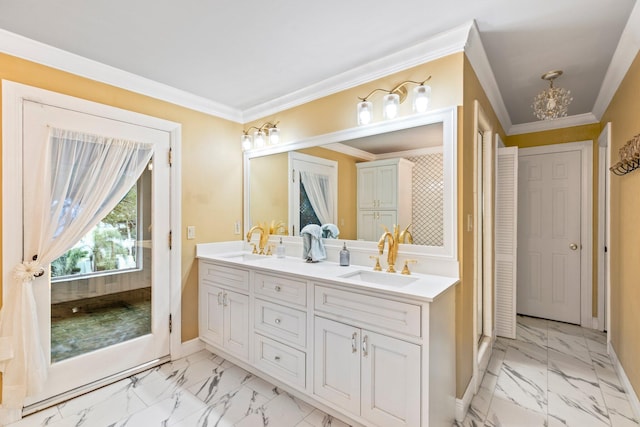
[{"x": 553, "y": 374}]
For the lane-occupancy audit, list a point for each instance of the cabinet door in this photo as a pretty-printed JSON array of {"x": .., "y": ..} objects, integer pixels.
[
  {"x": 386, "y": 218},
  {"x": 236, "y": 323},
  {"x": 211, "y": 318},
  {"x": 337, "y": 364},
  {"x": 367, "y": 188},
  {"x": 387, "y": 187},
  {"x": 390, "y": 381},
  {"x": 368, "y": 226}
]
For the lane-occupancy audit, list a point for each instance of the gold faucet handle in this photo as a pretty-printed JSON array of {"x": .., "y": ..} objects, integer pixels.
[
  {"x": 405, "y": 269},
  {"x": 255, "y": 251},
  {"x": 377, "y": 266},
  {"x": 269, "y": 249}
]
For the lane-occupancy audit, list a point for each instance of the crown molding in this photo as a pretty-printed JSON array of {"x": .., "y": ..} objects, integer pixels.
[
  {"x": 31, "y": 50},
  {"x": 438, "y": 46},
  {"x": 477, "y": 56},
  {"x": 623, "y": 57},
  {"x": 563, "y": 122}
]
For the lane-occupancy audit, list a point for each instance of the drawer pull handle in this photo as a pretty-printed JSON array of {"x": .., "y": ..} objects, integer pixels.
[
  {"x": 220, "y": 298},
  {"x": 354, "y": 345},
  {"x": 225, "y": 299},
  {"x": 365, "y": 351},
  {"x": 278, "y": 288},
  {"x": 277, "y": 321},
  {"x": 277, "y": 358}
]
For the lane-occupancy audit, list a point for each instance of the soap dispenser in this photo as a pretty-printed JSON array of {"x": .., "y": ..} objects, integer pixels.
[
  {"x": 344, "y": 255},
  {"x": 280, "y": 250}
]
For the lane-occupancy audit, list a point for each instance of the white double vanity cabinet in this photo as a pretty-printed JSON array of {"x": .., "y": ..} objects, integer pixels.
[{"x": 372, "y": 348}]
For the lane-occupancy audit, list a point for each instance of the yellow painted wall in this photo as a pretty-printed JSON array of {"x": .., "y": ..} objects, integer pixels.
[
  {"x": 623, "y": 113},
  {"x": 211, "y": 163},
  {"x": 560, "y": 136},
  {"x": 466, "y": 154}
]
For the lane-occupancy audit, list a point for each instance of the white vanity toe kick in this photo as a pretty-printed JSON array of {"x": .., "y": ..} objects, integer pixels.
[{"x": 426, "y": 287}]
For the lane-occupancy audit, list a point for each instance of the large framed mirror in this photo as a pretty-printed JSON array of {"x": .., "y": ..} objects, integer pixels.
[{"x": 396, "y": 172}]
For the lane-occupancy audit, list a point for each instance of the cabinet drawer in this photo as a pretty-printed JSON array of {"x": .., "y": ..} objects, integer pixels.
[
  {"x": 391, "y": 315},
  {"x": 281, "y": 361},
  {"x": 280, "y": 288},
  {"x": 225, "y": 276},
  {"x": 282, "y": 322}
]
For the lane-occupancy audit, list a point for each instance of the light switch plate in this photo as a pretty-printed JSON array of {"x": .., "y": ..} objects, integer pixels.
[{"x": 191, "y": 232}]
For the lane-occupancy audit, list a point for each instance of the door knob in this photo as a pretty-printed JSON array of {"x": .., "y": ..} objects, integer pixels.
[{"x": 573, "y": 246}]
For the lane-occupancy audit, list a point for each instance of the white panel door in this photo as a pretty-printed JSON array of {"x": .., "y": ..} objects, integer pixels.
[
  {"x": 390, "y": 381},
  {"x": 337, "y": 364},
  {"x": 78, "y": 371},
  {"x": 549, "y": 240},
  {"x": 506, "y": 247}
]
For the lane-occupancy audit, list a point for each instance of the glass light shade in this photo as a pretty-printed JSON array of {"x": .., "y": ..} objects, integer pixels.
[
  {"x": 421, "y": 95},
  {"x": 390, "y": 106},
  {"x": 258, "y": 139},
  {"x": 274, "y": 135},
  {"x": 365, "y": 112},
  {"x": 246, "y": 142}
]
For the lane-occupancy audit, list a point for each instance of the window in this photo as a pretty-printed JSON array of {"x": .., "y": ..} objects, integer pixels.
[{"x": 110, "y": 247}]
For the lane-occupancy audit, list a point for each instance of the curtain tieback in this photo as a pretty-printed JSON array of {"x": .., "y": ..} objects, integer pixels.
[{"x": 27, "y": 271}]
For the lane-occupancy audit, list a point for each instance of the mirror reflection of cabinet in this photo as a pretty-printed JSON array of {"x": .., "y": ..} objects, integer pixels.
[{"x": 384, "y": 196}]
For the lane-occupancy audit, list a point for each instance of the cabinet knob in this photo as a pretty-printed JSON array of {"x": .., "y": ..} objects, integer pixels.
[
  {"x": 277, "y": 321},
  {"x": 277, "y": 358},
  {"x": 278, "y": 289}
]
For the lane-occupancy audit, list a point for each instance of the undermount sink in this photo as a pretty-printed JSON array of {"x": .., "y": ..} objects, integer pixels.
[
  {"x": 243, "y": 257},
  {"x": 380, "y": 278}
]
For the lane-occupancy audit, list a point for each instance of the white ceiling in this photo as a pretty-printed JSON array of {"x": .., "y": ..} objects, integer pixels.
[{"x": 243, "y": 54}]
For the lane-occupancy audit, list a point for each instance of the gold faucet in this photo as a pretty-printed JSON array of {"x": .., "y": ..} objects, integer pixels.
[
  {"x": 392, "y": 252},
  {"x": 264, "y": 237},
  {"x": 405, "y": 235}
]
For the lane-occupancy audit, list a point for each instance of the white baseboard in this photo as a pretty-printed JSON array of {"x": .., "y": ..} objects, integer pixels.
[
  {"x": 462, "y": 405},
  {"x": 191, "y": 346},
  {"x": 628, "y": 388}
]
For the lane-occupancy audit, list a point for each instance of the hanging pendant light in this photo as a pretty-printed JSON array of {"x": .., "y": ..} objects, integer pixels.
[{"x": 553, "y": 102}]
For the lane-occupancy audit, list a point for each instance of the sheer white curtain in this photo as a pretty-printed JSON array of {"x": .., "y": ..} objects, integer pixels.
[
  {"x": 83, "y": 178},
  {"x": 320, "y": 193}
]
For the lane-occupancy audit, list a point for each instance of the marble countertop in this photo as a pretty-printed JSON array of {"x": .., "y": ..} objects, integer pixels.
[{"x": 425, "y": 287}]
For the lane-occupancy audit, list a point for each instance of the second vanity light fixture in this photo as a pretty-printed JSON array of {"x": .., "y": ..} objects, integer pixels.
[
  {"x": 392, "y": 100},
  {"x": 267, "y": 133}
]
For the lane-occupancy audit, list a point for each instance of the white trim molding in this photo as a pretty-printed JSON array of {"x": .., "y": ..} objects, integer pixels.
[
  {"x": 31, "y": 50},
  {"x": 479, "y": 61},
  {"x": 438, "y": 46},
  {"x": 561, "y": 123},
  {"x": 190, "y": 347},
  {"x": 462, "y": 405},
  {"x": 625, "y": 53},
  {"x": 628, "y": 388}
]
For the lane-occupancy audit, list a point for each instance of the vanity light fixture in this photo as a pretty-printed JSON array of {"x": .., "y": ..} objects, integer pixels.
[
  {"x": 392, "y": 100},
  {"x": 267, "y": 133},
  {"x": 552, "y": 102}
]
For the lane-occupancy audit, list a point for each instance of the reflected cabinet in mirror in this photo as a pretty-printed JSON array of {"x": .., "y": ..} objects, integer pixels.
[{"x": 362, "y": 180}]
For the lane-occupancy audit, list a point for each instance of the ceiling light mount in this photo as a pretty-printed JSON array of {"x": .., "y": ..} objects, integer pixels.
[
  {"x": 552, "y": 102},
  {"x": 393, "y": 99}
]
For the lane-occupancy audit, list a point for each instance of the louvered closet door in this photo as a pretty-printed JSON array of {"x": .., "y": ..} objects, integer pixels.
[{"x": 506, "y": 227}]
